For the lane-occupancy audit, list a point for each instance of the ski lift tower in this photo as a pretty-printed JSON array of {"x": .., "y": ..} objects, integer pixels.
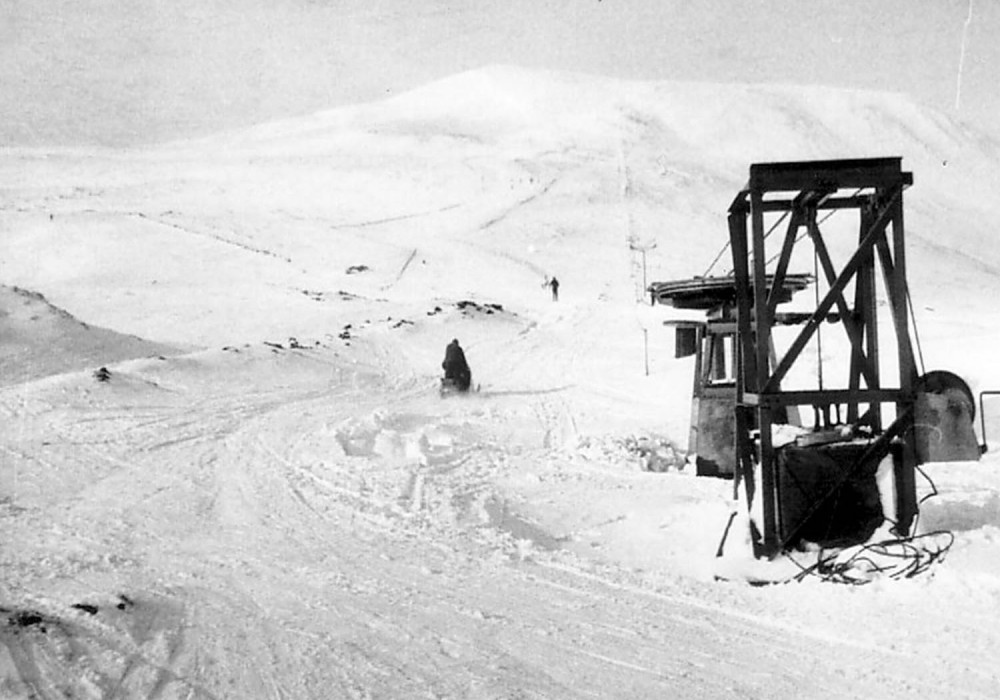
[{"x": 799, "y": 191}]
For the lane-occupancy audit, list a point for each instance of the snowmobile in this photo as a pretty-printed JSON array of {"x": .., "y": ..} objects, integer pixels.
[
  {"x": 455, "y": 385},
  {"x": 457, "y": 375}
]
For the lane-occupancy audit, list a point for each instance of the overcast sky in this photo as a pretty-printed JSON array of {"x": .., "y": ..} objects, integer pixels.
[{"x": 121, "y": 72}]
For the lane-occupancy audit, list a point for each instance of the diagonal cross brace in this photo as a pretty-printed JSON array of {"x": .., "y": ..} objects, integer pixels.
[
  {"x": 774, "y": 297},
  {"x": 846, "y": 318},
  {"x": 835, "y": 292}
]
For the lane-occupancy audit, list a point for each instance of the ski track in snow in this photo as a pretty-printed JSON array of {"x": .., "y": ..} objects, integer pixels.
[
  {"x": 211, "y": 235},
  {"x": 275, "y": 543}
]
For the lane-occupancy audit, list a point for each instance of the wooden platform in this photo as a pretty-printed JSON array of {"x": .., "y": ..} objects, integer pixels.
[{"x": 706, "y": 293}]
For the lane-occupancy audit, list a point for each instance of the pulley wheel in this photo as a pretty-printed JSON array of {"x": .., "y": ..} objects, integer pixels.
[{"x": 941, "y": 381}]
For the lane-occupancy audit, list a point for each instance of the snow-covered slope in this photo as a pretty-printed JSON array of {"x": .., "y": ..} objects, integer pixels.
[
  {"x": 39, "y": 340},
  {"x": 292, "y": 511}
]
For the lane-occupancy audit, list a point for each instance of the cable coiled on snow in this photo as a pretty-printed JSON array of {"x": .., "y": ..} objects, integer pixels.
[{"x": 899, "y": 558}]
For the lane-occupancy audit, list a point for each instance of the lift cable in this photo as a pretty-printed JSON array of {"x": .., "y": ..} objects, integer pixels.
[
  {"x": 717, "y": 258},
  {"x": 916, "y": 334},
  {"x": 777, "y": 223},
  {"x": 900, "y": 558},
  {"x": 806, "y": 232},
  {"x": 725, "y": 247}
]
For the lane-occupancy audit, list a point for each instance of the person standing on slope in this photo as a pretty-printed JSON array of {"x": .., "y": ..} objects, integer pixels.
[
  {"x": 554, "y": 283},
  {"x": 456, "y": 369}
]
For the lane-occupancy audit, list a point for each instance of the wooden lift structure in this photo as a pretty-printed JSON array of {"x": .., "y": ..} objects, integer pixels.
[
  {"x": 816, "y": 486},
  {"x": 799, "y": 191}
]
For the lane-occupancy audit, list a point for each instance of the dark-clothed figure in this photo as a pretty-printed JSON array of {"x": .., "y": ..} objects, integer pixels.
[
  {"x": 555, "y": 289},
  {"x": 456, "y": 369}
]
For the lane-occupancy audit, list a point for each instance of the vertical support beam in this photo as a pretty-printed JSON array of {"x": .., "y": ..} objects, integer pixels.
[
  {"x": 697, "y": 390},
  {"x": 746, "y": 354},
  {"x": 894, "y": 276},
  {"x": 762, "y": 341},
  {"x": 768, "y": 484},
  {"x": 741, "y": 272},
  {"x": 761, "y": 318},
  {"x": 907, "y": 365},
  {"x": 781, "y": 270},
  {"x": 860, "y": 306},
  {"x": 904, "y": 459},
  {"x": 866, "y": 308},
  {"x": 854, "y": 373},
  {"x": 906, "y": 487},
  {"x": 744, "y": 458}
]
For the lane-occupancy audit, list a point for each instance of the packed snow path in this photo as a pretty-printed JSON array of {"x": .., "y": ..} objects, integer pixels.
[{"x": 339, "y": 531}]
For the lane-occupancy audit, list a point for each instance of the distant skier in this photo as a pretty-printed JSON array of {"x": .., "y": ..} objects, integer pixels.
[
  {"x": 456, "y": 369},
  {"x": 554, "y": 283}
]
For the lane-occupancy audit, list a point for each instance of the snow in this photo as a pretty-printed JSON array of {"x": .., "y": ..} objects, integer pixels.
[{"x": 268, "y": 498}]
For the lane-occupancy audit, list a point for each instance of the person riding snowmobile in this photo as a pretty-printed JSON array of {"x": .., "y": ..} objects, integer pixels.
[{"x": 456, "y": 369}]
